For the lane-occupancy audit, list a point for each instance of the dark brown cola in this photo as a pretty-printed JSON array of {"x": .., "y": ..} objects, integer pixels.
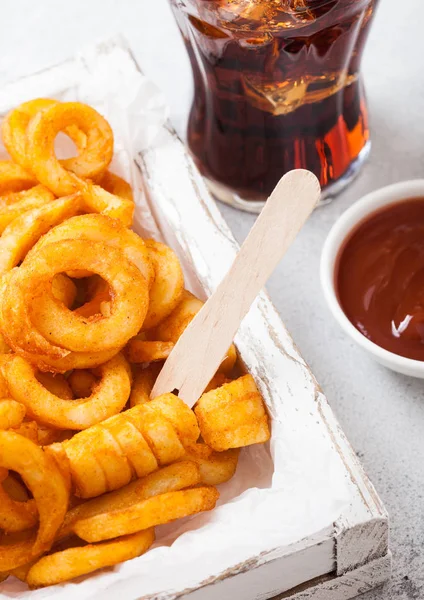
[{"x": 277, "y": 86}]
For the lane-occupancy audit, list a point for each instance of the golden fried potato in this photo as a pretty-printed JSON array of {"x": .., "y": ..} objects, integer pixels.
[
  {"x": 14, "y": 488},
  {"x": 100, "y": 228},
  {"x": 111, "y": 458},
  {"x": 134, "y": 445},
  {"x": 82, "y": 382},
  {"x": 73, "y": 562},
  {"x": 29, "y": 430},
  {"x": 11, "y": 414},
  {"x": 17, "y": 511},
  {"x": 14, "y": 178},
  {"x": 233, "y": 415},
  {"x": 50, "y": 494},
  {"x": 149, "y": 435},
  {"x": 20, "y": 297},
  {"x": 72, "y": 360},
  {"x": 88, "y": 478},
  {"x": 178, "y": 414},
  {"x": 146, "y": 513},
  {"x": 4, "y": 348},
  {"x": 26, "y": 229},
  {"x": 215, "y": 467},
  {"x": 21, "y": 202},
  {"x": 172, "y": 478},
  {"x": 62, "y": 327},
  {"x": 4, "y": 388},
  {"x": 99, "y": 305},
  {"x": 171, "y": 328},
  {"x": 57, "y": 454},
  {"x": 229, "y": 361},
  {"x": 167, "y": 286},
  {"x": 64, "y": 289},
  {"x": 56, "y": 384},
  {"x": 140, "y": 351},
  {"x": 107, "y": 399},
  {"x": 92, "y": 160},
  {"x": 93, "y": 297},
  {"x": 14, "y": 130},
  {"x": 99, "y": 200},
  {"x": 161, "y": 435},
  {"x": 16, "y": 515},
  {"x": 217, "y": 380},
  {"x": 116, "y": 185},
  {"x": 50, "y": 435},
  {"x": 143, "y": 383},
  {"x": 22, "y": 571}
]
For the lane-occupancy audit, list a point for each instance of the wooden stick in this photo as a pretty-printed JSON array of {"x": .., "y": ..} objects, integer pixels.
[{"x": 205, "y": 342}]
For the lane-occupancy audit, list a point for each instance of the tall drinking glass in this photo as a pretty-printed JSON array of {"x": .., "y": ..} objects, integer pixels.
[{"x": 277, "y": 86}]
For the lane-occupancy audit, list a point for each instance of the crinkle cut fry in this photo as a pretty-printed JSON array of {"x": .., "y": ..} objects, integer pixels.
[
  {"x": 233, "y": 415},
  {"x": 148, "y": 435}
]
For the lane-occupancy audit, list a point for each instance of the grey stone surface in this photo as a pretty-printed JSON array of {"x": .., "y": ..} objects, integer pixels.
[{"x": 381, "y": 412}]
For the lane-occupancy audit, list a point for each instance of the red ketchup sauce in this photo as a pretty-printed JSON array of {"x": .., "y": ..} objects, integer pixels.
[{"x": 379, "y": 278}]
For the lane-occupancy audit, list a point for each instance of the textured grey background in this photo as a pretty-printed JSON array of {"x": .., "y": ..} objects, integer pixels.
[{"x": 381, "y": 412}]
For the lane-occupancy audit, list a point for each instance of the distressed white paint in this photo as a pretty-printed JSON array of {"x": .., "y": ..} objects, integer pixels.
[
  {"x": 263, "y": 583},
  {"x": 354, "y": 553}
]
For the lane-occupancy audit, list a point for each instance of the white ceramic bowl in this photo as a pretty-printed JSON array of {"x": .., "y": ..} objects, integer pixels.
[{"x": 343, "y": 227}]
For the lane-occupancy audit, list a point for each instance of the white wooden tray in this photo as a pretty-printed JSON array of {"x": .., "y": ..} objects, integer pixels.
[
  {"x": 346, "y": 560},
  {"x": 353, "y": 556},
  {"x": 348, "y": 556}
]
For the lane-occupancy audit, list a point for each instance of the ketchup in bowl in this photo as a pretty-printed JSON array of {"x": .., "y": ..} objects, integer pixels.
[{"x": 380, "y": 278}]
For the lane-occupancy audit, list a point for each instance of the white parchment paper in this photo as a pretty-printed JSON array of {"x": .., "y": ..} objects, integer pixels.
[{"x": 282, "y": 492}]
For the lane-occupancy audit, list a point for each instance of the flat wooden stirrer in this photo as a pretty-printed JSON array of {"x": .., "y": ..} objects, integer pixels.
[{"x": 205, "y": 342}]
